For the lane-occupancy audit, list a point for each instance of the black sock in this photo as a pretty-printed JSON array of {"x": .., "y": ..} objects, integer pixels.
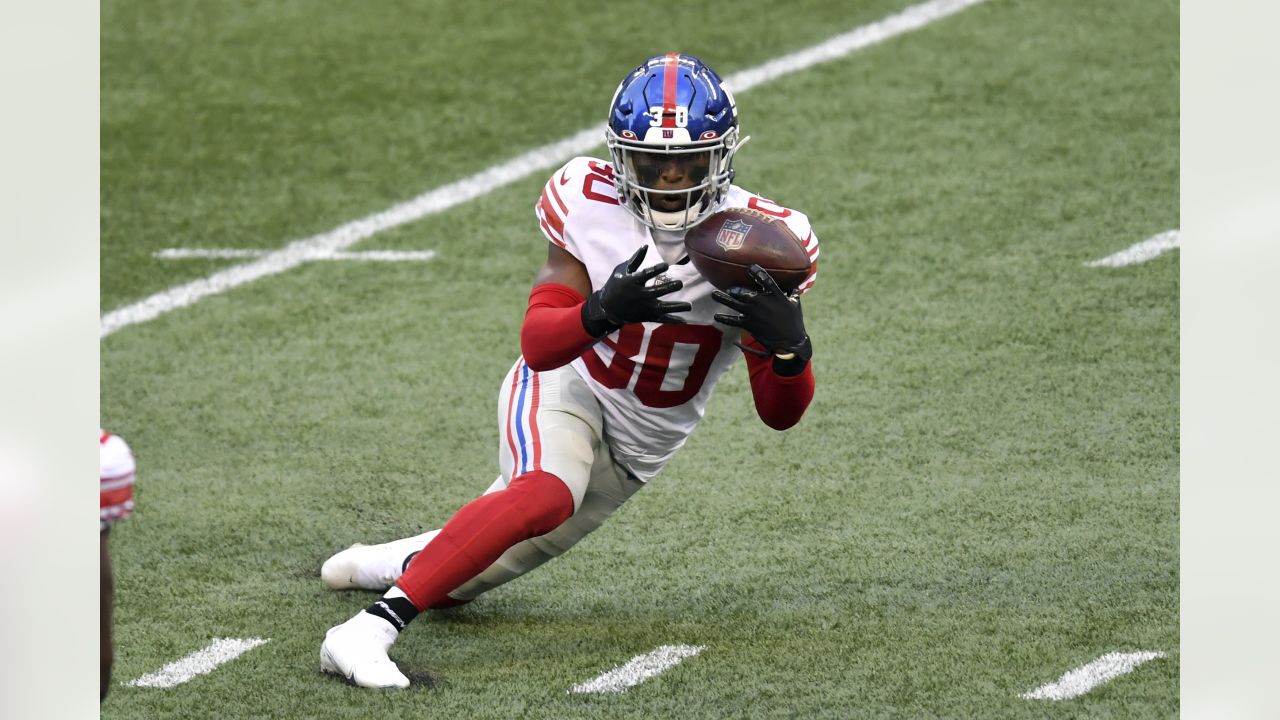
[{"x": 397, "y": 611}]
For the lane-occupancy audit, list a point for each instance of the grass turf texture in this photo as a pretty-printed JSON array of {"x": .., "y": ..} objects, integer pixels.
[{"x": 983, "y": 495}]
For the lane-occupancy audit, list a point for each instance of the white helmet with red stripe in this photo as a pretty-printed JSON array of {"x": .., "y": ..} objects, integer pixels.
[{"x": 117, "y": 467}]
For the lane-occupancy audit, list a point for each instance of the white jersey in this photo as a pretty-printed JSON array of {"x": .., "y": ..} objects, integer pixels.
[{"x": 652, "y": 380}]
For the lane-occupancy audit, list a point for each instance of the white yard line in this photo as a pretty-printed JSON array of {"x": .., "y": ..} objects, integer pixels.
[
  {"x": 385, "y": 255},
  {"x": 219, "y": 253},
  {"x": 200, "y": 662},
  {"x": 1150, "y": 248},
  {"x": 368, "y": 255},
  {"x": 638, "y": 669},
  {"x": 344, "y": 236},
  {"x": 1086, "y": 677},
  {"x": 912, "y": 18},
  {"x": 486, "y": 181}
]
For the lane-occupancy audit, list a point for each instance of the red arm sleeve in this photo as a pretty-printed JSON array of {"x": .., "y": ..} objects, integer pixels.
[
  {"x": 552, "y": 334},
  {"x": 780, "y": 400}
]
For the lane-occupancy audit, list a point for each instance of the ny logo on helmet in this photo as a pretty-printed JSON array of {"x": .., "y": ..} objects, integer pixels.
[{"x": 732, "y": 234}]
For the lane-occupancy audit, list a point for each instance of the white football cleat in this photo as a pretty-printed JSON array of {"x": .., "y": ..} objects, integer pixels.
[
  {"x": 372, "y": 567},
  {"x": 357, "y": 650}
]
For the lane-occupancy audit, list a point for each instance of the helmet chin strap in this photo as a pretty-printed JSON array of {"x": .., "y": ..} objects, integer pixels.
[{"x": 674, "y": 221}]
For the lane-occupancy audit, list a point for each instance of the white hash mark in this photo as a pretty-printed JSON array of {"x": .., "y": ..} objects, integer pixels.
[
  {"x": 200, "y": 662},
  {"x": 638, "y": 669},
  {"x": 1148, "y": 249},
  {"x": 1086, "y": 677}
]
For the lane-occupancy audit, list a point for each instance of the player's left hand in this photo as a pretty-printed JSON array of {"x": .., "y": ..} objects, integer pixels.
[{"x": 773, "y": 318}]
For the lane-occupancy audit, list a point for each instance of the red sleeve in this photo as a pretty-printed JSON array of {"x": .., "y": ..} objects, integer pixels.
[
  {"x": 552, "y": 334},
  {"x": 780, "y": 399}
]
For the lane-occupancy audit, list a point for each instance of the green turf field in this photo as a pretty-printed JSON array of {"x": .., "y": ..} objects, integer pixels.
[{"x": 983, "y": 495}]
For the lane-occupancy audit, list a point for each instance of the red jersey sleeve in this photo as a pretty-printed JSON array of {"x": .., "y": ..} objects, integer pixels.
[
  {"x": 780, "y": 400},
  {"x": 552, "y": 334}
]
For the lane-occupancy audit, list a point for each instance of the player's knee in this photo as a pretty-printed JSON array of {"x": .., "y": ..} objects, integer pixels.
[{"x": 545, "y": 501}]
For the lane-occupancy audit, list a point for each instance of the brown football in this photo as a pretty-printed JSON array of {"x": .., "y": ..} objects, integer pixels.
[{"x": 724, "y": 245}]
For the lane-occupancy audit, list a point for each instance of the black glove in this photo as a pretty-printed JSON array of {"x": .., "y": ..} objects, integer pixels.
[
  {"x": 772, "y": 317},
  {"x": 625, "y": 298}
]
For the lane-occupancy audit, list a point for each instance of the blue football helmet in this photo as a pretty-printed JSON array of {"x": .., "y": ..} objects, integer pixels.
[{"x": 672, "y": 123}]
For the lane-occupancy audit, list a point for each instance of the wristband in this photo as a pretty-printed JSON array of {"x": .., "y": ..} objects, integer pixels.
[{"x": 595, "y": 319}]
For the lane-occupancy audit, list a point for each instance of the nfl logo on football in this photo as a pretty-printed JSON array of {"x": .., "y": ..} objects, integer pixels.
[{"x": 732, "y": 234}]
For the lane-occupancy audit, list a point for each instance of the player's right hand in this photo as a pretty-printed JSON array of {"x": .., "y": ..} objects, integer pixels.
[{"x": 628, "y": 298}]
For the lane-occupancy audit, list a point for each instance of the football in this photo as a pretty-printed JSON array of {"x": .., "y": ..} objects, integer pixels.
[{"x": 724, "y": 245}]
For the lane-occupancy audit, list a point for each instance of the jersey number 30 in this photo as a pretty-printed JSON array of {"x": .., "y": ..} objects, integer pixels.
[{"x": 621, "y": 371}]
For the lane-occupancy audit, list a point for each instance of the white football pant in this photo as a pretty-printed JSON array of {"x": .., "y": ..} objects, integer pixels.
[{"x": 551, "y": 421}]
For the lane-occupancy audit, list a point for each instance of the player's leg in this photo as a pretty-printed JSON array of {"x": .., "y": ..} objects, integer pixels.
[
  {"x": 376, "y": 567},
  {"x": 551, "y": 428},
  {"x": 552, "y": 451},
  {"x": 610, "y": 486}
]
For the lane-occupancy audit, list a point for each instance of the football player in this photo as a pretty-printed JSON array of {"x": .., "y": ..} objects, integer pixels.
[
  {"x": 115, "y": 494},
  {"x": 621, "y": 345}
]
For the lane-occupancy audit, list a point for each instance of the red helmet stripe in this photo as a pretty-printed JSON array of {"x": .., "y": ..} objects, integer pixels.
[{"x": 670, "y": 72}]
